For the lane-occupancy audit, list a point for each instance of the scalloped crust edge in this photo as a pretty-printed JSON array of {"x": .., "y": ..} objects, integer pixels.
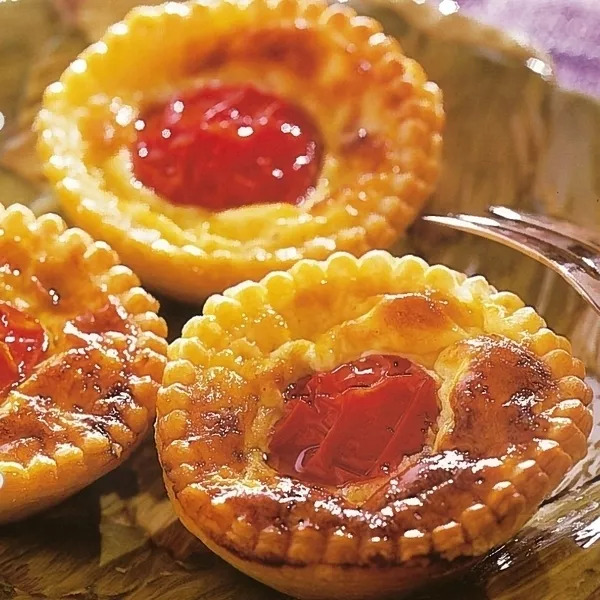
[{"x": 332, "y": 582}]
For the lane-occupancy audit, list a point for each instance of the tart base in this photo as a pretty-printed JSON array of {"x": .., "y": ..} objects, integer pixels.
[{"x": 333, "y": 582}]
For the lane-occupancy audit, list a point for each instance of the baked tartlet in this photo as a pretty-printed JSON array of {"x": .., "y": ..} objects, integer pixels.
[
  {"x": 82, "y": 352},
  {"x": 213, "y": 142},
  {"x": 354, "y": 427}
]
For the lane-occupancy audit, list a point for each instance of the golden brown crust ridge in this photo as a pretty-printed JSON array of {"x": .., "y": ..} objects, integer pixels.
[
  {"x": 222, "y": 394},
  {"x": 380, "y": 118},
  {"x": 91, "y": 399}
]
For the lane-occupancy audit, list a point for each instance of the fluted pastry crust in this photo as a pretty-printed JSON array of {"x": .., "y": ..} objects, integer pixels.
[
  {"x": 379, "y": 116},
  {"x": 91, "y": 399},
  {"x": 514, "y": 418}
]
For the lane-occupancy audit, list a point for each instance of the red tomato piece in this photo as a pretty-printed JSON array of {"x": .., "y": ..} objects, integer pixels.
[
  {"x": 23, "y": 342},
  {"x": 226, "y": 146},
  {"x": 355, "y": 422}
]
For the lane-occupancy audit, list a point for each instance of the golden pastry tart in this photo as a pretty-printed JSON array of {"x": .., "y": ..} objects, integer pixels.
[
  {"x": 353, "y": 427},
  {"x": 213, "y": 142},
  {"x": 82, "y": 352}
]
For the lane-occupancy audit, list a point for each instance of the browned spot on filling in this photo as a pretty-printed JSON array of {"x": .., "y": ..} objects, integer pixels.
[
  {"x": 415, "y": 311},
  {"x": 496, "y": 401},
  {"x": 33, "y": 428},
  {"x": 364, "y": 149},
  {"x": 110, "y": 317},
  {"x": 299, "y": 51}
]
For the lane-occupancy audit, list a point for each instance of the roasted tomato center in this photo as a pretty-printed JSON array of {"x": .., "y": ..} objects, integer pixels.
[
  {"x": 355, "y": 422},
  {"x": 226, "y": 146},
  {"x": 22, "y": 344}
]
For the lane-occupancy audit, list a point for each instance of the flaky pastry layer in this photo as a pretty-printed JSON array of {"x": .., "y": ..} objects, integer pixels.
[
  {"x": 379, "y": 116},
  {"x": 514, "y": 418},
  {"x": 91, "y": 399}
]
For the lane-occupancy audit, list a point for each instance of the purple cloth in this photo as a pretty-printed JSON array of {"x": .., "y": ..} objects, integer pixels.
[{"x": 569, "y": 30}]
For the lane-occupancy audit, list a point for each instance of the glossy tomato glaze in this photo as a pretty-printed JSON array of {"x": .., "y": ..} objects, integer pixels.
[
  {"x": 23, "y": 342},
  {"x": 355, "y": 422},
  {"x": 226, "y": 146}
]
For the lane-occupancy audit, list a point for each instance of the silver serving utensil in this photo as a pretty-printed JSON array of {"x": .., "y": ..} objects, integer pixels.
[{"x": 570, "y": 250}]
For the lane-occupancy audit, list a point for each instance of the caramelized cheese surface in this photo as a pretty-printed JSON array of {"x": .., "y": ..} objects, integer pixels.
[{"x": 498, "y": 397}]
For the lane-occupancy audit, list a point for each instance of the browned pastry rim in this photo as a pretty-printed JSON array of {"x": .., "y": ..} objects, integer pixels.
[
  {"x": 91, "y": 399},
  {"x": 513, "y": 419}
]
